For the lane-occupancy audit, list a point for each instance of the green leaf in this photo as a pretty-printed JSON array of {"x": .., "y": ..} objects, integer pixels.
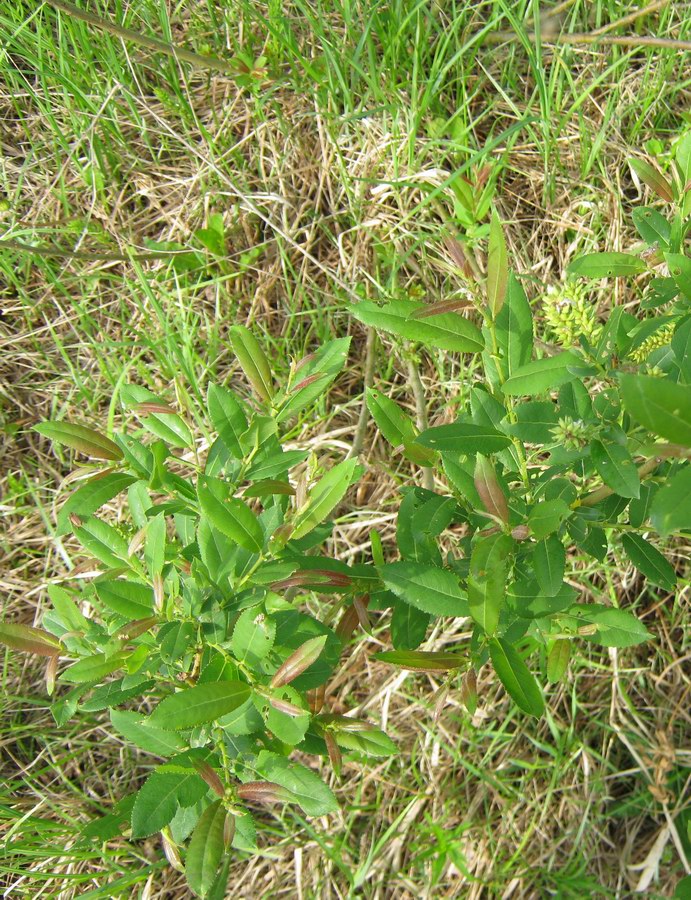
[
  {"x": 514, "y": 328},
  {"x": 158, "y": 799},
  {"x": 662, "y": 406},
  {"x": 549, "y": 561},
  {"x": 680, "y": 270},
  {"x": 252, "y": 360},
  {"x": 542, "y": 375},
  {"x": 489, "y": 563},
  {"x": 155, "y": 544},
  {"x": 253, "y": 637},
  {"x": 615, "y": 627},
  {"x": 66, "y": 610},
  {"x": 29, "y": 639},
  {"x": 370, "y": 742},
  {"x": 497, "y": 266},
  {"x": 81, "y": 438},
  {"x": 168, "y": 426},
  {"x": 516, "y": 677},
  {"x": 465, "y": 438},
  {"x": 135, "y": 729},
  {"x": 434, "y": 591},
  {"x": 606, "y": 265},
  {"x": 103, "y": 541},
  {"x": 447, "y": 331},
  {"x": 616, "y": 468},
  {"x": 649, "y": 561},
  {"x": 230, "y": 516},
  {"x": 652, "y": 227},
  {"x": 655, "y": 180},
  {"x": 422, "y": 660},
  {"x": 197, "y": 705},
  {"x": 206, "y": 849},
  {"x": 228, "y": 418},
  {"x": 323, "y": 497},
  {"x": 91, "y": 495},
  {"x": 547, "y": 517},
  {"x": 175, "y": 639},
  {"x": 408, "y": 626},
  {"x": 315, "y": 797},
  {"x": 126, "y": 598},
  {"x": 314, "y": 377},
  {"x": 671, "y": 507},
  {"x": 394, "y": 424},
  {"x": 558, "y": 660},
  {"x": 93, "y": 668},
  {"x": 535, "y": 421}
]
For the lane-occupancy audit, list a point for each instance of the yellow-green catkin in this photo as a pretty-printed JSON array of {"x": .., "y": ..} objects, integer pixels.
[
  {"x": 569, "y": 314},
  {"x": 660, "y": 338}
]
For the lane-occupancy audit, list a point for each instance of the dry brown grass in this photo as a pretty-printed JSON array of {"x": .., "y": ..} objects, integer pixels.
[{"x": 588, "y": 784}]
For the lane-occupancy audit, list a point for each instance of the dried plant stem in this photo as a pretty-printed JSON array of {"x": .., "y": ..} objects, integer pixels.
[
  {"x": 420, "y": 412},
  {"x": 361, "y": 430},
  {"x": 151, "y": 43},
  {"x": 627, "y": 40}
]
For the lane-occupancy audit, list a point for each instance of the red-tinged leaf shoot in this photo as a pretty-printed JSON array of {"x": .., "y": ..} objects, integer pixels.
[
  {"x": 299, "y": 661},
  {"x": 28, "y": 639},
  {"x": 264, "y": 792}
]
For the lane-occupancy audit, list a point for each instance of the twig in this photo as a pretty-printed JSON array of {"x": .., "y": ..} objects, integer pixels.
[
  {"x": 421, "y": 413},
  {"x": 632, "y": 40},
  {"x": 196, "y": 59},
  {"x": 12, "y": 244},
  {"x": 361, "y": 430},
  {"x": 636, "y": 14}
]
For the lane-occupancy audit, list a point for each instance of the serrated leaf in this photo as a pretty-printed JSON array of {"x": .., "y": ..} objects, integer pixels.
[
  {"x": 541, "y": 375},
  {"x": 616, "y": 468},
  {"x": 516, "y": 677},
  {"x": 230, "y": 516},
  {"x": 315, "y": 797},
  {"x": 93, "y": 668},
  {"x": 103, "y": 541},
  {"x": 197, "y": 705},
  {"x": 314, "y": 377},
  {"x": 126, "y": 598},
  {"x": 206, "y": 849},
  {"x": 649, "y": 561},
  {"x": 81, "y": 438},
  {"x": 253, "y": 637},
  {"x": 661, "y": 405},
  {"x": 158, "y": 799},
  {"x": 135, "y": 729},
  {"x": 429, "y": 589}
]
